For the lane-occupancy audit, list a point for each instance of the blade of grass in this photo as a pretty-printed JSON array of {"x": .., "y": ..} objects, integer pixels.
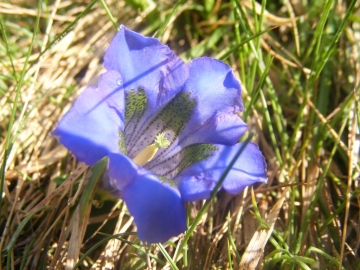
[
  {"x": 318, "y": 34},
  {"x": 319, "y": 185},
  {"x": 9, "y": 248},
  {"x": 255, "y": 92},
  {"x": 227, "y": 53},
  {"x": 167, "y": 20},
  {"x": 229, "y": 254},
  {"x": 241, "y": 52},
  {"x": 26, "y": 253},
  {"x": 324, "y": 254},
  {"x": 8, "y": 144},
  {"x": 8, "y": 49},
  {"x": 18, "y": 231},
  {"x": 258, "y": 68},
  {"x": 111, "y": 17},
  {"x": 351, "y": 178},
  {"x": 71, "y": 179},
  {"x": 245, "y": 26},
  {"x": 81, "y": 215},
  {"x": 213, "y": 194},
  {"x": 271, "y": 129},
  {"x": 255, "y": 248},
  {"x": 320, "y": 63},
  {"x": 167, "y": 256},
  {"x": 68, "y": 28},
  {"x": 231, "y": 240},
  {"x": 206, "y": 44},
  {"x": 98, "y": 244},
  {"x": 259, "y": 22},
  {"x": 326, "y": 54}
]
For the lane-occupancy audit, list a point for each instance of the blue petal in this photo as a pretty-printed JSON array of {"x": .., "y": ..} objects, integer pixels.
[
  {"x": 217, "y": 94},
  {"x": 152, "y": 75},
  {"x": 156, "y": 206},
  {"x": 198, "y": 180},
  {"x": 121, "y": 172},
  {"x": 207, "y": 113},
  {"x": 90, "y": 129}
]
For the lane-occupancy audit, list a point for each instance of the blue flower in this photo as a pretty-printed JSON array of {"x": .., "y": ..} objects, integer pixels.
[{"x": 169, "y": 130}]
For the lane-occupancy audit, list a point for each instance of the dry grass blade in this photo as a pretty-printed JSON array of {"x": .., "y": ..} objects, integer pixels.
[
  {"x": 79, "y": 221},
  {"x": 351, "y": 178},
  {"x": 70, "y": 180},
  {"x": 77, "y": 233},
  {"x": 44, "y": 161},
  {"x": 110, "y": 254},
  {"x": 6, "y": 8},
  {"x": 255, "y": 249},
  {"x": 332, "y": 132},
  {"x": 295, "y": 29},
  {"x": 271, "y": 19}
]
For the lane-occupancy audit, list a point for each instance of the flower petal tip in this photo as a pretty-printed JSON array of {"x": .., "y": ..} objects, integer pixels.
[{"x": 158, "y": 209}]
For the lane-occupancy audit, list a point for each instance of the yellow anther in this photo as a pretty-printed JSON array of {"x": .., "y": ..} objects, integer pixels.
[{"x": 148, "y": 153}]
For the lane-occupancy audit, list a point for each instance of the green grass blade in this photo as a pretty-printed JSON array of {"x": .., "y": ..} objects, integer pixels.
[
  {"x": 165, "y": 24},
  {"x": 231, "y": 242},
  {"x": 213, "y": 194},
  {"x": 68, "y": 28},
  {"x": 18, "y": 231},
  {"x": 8, "y": 144},
  {"x": 319, "y": 185},
  {"x": 26, "y": 253},
  {"x": 326, "y": 54},
  {"x": 225, "y": 54},
  {"x": 98, "y": 244},
  {"x": 255, "y": 93},
  {"x": 167, "y": 257},
  {"x": 111, "y": 17},
  {"x": 7, "y": 47}
]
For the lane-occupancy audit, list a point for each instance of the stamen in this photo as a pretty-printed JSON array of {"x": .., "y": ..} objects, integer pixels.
[{"x": 148, "y": 153}]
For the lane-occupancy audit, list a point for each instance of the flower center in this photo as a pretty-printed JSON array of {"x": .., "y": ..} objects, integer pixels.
[{"x": 148, "y": 153}]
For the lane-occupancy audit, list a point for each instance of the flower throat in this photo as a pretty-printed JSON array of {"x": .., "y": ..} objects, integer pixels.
[{"x": 148, "y": 153}]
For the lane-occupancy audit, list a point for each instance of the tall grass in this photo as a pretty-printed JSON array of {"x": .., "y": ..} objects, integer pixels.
[{"x": 299, "y": 65}]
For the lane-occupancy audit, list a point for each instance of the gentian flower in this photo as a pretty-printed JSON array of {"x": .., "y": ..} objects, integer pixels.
[{"x": 169, "y": 130}]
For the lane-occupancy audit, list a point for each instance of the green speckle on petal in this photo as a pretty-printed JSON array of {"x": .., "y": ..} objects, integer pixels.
[
  {"x": 176, "y": 113},
  {"x": 195, "y": 153},
  {"x": 136, "y": 103},
  {"x": 122, "y": 143},
  {"x": 167, "y": 180},
  {"x": 161, "y": 141}
]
